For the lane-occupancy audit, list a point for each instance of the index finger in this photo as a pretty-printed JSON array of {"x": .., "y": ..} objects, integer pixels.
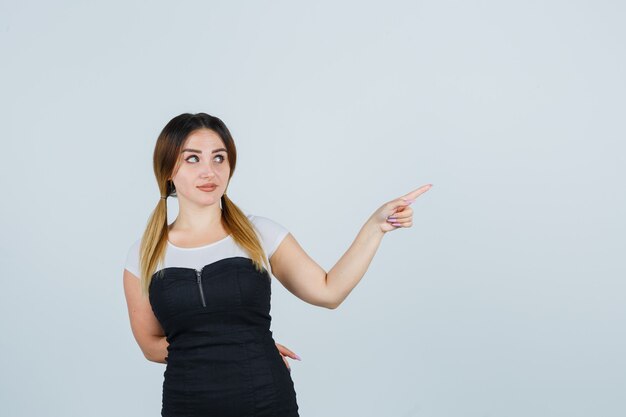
[{"x": 416, "y": 193}]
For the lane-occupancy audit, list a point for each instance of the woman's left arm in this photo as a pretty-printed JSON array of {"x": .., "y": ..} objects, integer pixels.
[{"x": 303, "y": 277}]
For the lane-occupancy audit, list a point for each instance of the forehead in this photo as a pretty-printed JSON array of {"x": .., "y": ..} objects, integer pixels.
[{"x": 203, "y": 139}]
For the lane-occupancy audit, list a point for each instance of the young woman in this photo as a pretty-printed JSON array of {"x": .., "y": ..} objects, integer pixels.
[{"x": 198, "y": 290}]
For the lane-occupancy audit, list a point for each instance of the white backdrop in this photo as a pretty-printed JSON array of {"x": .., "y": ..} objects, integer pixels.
[{"x": 505, "y": 298}]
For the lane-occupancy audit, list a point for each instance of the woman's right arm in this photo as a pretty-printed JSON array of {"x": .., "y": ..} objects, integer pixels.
[
  {"x": 156, "y": 350},
  {"x": 146, "y": 328}
]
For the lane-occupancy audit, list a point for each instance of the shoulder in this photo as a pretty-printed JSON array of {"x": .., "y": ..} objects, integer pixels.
[
  {"x": 132, "y": 257},
  {"x": 134, "y": 247},
  {"x": 271, "y": 232},
  {"x": 264, "y": 222}
]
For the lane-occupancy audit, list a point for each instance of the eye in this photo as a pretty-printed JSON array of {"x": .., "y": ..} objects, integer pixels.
[{"x": 196, "y": 156}]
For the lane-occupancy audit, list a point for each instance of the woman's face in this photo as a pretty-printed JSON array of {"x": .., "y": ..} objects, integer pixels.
[{"x": 203, "y": 160}]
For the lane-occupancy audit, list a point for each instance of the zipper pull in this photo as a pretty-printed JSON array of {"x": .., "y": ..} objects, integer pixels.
[{"x": 199, "y": 275}]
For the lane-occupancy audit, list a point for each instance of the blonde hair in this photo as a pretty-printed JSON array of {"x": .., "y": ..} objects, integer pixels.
[{"x": 165, "y": 162}]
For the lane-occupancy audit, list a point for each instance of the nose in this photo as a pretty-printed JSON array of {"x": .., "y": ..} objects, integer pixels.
[{"x": 207, "y": 171}]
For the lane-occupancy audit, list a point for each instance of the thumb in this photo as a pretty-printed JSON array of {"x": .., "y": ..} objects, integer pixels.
[
  {"x": 400, "y": 202},
  {"x": 288, "y": 352}
]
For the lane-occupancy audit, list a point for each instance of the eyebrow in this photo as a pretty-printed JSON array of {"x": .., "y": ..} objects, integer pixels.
[{"x": 199, "y": 151}]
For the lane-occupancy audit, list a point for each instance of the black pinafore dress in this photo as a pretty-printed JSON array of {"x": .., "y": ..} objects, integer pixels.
[{"x": 222, "y": 359}]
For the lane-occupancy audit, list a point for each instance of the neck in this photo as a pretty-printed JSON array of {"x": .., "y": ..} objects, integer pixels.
[{"x": 205, "y": 220}]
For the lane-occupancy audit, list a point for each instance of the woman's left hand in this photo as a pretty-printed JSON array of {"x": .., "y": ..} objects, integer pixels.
[
  {"x": 286, "y": 352},
  {"x": 397, "y": 213}
]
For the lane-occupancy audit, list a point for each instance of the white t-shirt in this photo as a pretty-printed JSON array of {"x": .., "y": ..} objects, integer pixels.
[{"x": 271, "y": 234}]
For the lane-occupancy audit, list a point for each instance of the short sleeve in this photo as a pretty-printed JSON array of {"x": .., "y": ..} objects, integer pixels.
[
  {"x": 272, "y": 233},
  {"x": 132, "y": 258}
]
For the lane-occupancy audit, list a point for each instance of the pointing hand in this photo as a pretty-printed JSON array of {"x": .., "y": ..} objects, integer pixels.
[{"x": 397, "y": 213}]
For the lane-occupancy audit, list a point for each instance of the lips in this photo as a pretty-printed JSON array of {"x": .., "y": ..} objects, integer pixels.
[{"x": 207, "y": 187}]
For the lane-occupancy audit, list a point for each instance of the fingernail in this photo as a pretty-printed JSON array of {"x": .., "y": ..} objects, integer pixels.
[
  {"x": 298, "y": 357},
  {"x": 391, "y": 218}
]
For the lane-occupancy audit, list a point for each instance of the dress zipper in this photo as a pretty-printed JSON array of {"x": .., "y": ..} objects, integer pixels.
[{"x": 199, "y": 275}]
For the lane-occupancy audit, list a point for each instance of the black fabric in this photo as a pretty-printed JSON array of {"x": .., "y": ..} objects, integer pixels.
[{"x": 222, "y": 359}]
